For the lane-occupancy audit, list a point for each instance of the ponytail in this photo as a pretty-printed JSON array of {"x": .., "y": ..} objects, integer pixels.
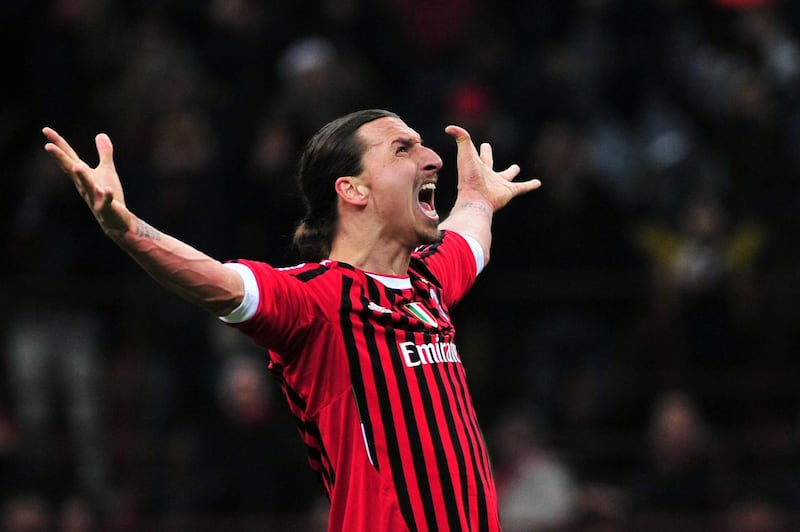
[{"x": 313, "y": 241}]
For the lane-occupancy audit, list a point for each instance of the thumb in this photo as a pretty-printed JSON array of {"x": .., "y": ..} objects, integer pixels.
[
  {"x": 105, "y": 150},
  {"x": 460, "y": 134},
  {"x": 464, "y": 144}
]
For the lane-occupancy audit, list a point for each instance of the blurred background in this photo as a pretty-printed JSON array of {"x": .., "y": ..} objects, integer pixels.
[{"x": 630, "y": 348}]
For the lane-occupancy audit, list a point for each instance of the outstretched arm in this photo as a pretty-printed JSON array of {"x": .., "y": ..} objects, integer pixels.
[
  {"x": 184, "y": 270},
  {"x": 481, "y": 190}
]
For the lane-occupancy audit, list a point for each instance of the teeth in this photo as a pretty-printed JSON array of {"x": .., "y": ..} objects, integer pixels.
[{"x": 429, "y": 186}]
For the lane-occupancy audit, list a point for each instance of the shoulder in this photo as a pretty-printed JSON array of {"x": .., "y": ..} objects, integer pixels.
[
  {"x": 303, "y": 272},
  {"x": 425, "y": 258},
  {"x": 451, "y": 247}
]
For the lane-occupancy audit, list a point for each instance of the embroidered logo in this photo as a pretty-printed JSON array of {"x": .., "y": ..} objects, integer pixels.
[
  {"x": 419, "y": 311},
  {"x": 374, "y": 307}
]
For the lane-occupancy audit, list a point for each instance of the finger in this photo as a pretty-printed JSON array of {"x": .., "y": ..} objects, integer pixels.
[
  {"x": 459, "y": 133},
  {"x": 60, "y": 142},
  {"x": 486, "y": 154},
  {"x": 523, "y": 187},
  {"x": 465, "y": 148},
  {"x": 510, "y": 173},
  {"x": 463, "y": 140},
  {"x": 105, "y": 150},
  {"x": 64, "y": 161}
]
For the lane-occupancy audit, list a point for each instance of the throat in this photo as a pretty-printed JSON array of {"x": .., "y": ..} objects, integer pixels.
[{"x": 380, "y": 256}]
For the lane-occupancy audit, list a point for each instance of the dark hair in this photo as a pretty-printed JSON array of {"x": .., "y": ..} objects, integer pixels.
[{"x": 334, "y": 151}]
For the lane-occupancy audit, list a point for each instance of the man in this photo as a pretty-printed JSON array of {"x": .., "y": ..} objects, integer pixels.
[{"x": 361, "y": 342}]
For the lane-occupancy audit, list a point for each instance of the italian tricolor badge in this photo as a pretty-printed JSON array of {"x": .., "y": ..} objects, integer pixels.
[{"x": 419, "y": 311}]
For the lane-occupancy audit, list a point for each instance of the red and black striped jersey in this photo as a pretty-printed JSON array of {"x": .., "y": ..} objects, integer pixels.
[{"x": 371, "y": 371}]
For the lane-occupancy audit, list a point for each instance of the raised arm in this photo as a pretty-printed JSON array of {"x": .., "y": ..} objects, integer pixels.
[
  {"x": 481, "y": 190},
  {"x": 198, "y": 278}
]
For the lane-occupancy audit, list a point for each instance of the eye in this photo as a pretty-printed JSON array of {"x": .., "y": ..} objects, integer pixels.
[{"x": 402, "y": 149}]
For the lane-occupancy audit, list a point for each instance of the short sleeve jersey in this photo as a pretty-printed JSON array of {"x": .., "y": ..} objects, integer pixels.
[{"x": 371, "y": 372}]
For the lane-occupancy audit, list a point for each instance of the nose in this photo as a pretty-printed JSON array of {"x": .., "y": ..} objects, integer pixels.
[{"x": 431, "y": 160}]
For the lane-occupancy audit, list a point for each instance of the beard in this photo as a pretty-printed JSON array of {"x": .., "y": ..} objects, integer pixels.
[{"x": 430, "y": 236}]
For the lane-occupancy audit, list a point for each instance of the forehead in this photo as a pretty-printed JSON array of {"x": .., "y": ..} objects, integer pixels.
[{"x": 386, "y": 130}]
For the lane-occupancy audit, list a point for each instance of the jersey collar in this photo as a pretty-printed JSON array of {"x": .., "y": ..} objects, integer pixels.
[
  {"x": 392, "y": 281},
  {"x": 395, "y": 282}
]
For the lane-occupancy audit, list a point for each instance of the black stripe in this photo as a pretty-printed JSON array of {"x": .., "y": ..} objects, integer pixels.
[
  {"x": 311, "y": 274},
  {"x": 420, "y": 270},
  {"x": 450, "y": 411},
  {"x": 320, "y": 466},
  {"x": 297, "y": 407},
  {"x": 387, "y": 416},
  {"x": 314, "y": 453},
  {"x": 326, "y": 467},
  {"x": 356, "y": 376},
  {"x": 409, "y": 415},
  {"x": 294, "y": 398},
  {"x": 448, "y": 491},
  {"x": 325, "y": 460},
  {"x": 441, "y": 458},
  {"x": 476, "y": 441}
]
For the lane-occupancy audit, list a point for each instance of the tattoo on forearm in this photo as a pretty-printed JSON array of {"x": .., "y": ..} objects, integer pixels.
[
  {"x": 147, "y": 231},
  {"x": 476, "y": 206}
]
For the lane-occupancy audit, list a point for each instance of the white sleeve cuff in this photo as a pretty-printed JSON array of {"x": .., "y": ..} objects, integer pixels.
[
  {"x": 249, "y": 305},
  {"x": 477, "y": 250}
]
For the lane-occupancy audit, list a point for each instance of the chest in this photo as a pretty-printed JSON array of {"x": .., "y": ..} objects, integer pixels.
[{"x": 410, "y": 312}]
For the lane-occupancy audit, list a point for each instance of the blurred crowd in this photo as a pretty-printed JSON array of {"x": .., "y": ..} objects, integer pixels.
[{"x": 630, "y": 348}]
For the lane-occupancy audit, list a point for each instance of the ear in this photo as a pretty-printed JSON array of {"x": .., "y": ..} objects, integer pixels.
[{"x": 351, "y": 190}]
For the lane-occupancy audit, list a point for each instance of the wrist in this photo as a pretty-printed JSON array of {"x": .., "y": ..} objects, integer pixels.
[
  {"x": 132, "y": 231},
  {"x": 116, "y": 221},
  {"x": 477, "y": 205}
]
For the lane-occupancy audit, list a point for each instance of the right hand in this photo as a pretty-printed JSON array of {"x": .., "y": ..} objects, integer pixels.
[{"x": 99, "y": 187}]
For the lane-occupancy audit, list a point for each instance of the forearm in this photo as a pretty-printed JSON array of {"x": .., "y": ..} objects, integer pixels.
[
  {"x": 182, "y": 269},
  {"x": 472, "y": 216}
]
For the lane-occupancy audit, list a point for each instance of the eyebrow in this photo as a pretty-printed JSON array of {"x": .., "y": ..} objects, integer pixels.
[{"x": 407, "y": 141}]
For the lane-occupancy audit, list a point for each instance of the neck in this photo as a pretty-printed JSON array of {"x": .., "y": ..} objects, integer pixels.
[
  {"x": 373, "y": 258},
  {"x": 373, "y": 254}
]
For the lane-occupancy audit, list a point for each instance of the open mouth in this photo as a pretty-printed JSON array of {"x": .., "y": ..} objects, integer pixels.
[{"x": 426, "y": 199}]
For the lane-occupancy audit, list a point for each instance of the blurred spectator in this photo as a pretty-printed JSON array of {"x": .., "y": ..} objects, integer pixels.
[
  {"x": 754, "y": 516},
  {"x": 161, "y": 73},
  {"x": 736, "y": 68},
  {"x": 54, "y": 347},
  {"x": 269, "y": 175},
  {"x": 704, "y": 296},
  {"x": 681, "y": 470},
  {"x": 575, "y": 234},
  {"x": 27, "y": 513},
  {"x": 600, "y": 507},
  {"x": 535, "y": 488},
  {"x": 248, "y": 452},
  {"x": 574, "y": 221},
  {"x": 77, "y": 516},
  {"x": 317, "y": 82},
  {"x": 473, "y": 105},
  {"x": 433, "y": 31}
]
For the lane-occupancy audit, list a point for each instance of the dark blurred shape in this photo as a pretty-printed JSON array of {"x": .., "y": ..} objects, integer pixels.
[{"x": 681, "y": 472}]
